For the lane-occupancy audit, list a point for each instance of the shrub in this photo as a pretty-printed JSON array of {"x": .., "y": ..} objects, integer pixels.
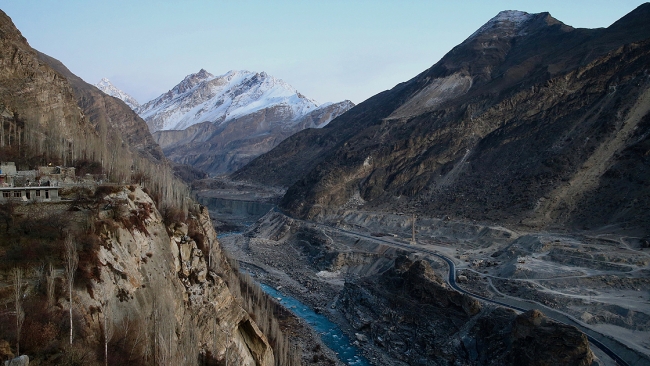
[
  {"x": 172, "y": 215},
  {"x": 83, "y": 167},
  {"x": 196, "y": 233},
  {"x": 105, "y": 190},
  {"x": 89, "y": 265}
]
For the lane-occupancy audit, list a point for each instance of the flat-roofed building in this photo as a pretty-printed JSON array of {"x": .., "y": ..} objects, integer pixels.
[{"x": 29, "y": 194}]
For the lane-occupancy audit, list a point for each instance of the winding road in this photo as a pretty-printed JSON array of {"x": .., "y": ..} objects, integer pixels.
[{"x": 595, "y": 338}]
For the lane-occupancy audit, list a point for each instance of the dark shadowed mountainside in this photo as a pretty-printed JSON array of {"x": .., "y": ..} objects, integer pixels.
[
  {"x": 104, "y": 111},
  {"x": 527, "y": 122}
]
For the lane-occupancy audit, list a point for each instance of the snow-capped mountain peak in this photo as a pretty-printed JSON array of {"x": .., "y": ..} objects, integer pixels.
[
  {"x": 507, "y": 23},
  {"x": 203, "y": 97},
  {"x": 107, "y": 87},
  {"x": 192, "y": 80}
]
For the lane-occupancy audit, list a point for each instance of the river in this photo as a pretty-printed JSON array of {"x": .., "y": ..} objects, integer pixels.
[
  {"x": 245, "y": 213},
  {"x": 329, "y": 332}
]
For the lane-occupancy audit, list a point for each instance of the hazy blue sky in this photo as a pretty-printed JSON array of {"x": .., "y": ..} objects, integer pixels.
[{"x": 328, "y": 50}]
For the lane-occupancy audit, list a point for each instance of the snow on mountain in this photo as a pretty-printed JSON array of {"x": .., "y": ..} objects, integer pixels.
[
  {"x": 203, "y": 97},
  {"x": 110, "y": 89},
  {"x": 326, "y": 112},
  {"x": 507, "y": 22}
]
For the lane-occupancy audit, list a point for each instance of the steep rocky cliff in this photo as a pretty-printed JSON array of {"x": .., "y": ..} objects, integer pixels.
[
  {"x": 388, "y": 310},
  {"x": 528, "y": 122},
  {"x": 163, "y": 286},
  {"x": 37, "y": 105},
  {"x": 147, "y": 290}
]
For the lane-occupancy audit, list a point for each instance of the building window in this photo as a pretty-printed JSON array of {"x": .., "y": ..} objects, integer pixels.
[
  {"x": 17, "y": 194},
  {"x": 38, "y": 193},
  {"x": 6, "y": 194}
]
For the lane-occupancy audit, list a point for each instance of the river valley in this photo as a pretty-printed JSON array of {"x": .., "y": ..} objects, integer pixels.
[{"x": 578, "y": 277}]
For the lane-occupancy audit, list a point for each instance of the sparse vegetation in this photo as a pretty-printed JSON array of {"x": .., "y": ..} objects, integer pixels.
[
  {"x": 266, "y": 312},
  {"x": 71, "y": 262}
]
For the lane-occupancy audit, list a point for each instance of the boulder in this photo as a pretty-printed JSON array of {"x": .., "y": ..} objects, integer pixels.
[{"x": 18, "y": 361}]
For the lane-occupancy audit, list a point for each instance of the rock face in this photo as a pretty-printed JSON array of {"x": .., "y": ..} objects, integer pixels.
[
  {"x": 527, "y": 122},
  {"x": 162, "y": 284},
  {"x": 389, "y": 309},
  {"x": 109, "y": 115},
  {"x": 538, "y": 341},
  {"x": 36, "y": 102}
]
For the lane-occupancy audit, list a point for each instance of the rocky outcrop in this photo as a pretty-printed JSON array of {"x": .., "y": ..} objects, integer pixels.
[
  {"x": 161, "y": 285},
  {"x": 388, "y": 310},
  {"x": 538, "y": 341},
  {"x": 528, "y": 122}
]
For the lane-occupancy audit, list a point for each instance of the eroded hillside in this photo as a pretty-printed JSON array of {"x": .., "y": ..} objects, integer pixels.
[{"x": 529, "y": 122}]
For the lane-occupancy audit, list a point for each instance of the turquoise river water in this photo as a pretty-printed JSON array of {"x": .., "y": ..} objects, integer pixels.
[{"x": 330, "y": 333}]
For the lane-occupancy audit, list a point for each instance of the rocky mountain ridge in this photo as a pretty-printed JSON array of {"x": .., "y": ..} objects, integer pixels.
[
  {"x": 107, "y": 87},
  {"x": 203, "y": 97},
  {"x": 220, "y": 123},
  {"x": 527, "y": 122}
]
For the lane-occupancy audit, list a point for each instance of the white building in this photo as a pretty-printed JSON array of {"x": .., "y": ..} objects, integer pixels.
[{"x": 29, "y": 194}]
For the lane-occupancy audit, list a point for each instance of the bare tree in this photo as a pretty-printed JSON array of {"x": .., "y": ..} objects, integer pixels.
[
  {"x": 50, "y": 286},
  {"x": 140, "y": 335},
  {"x": 107, "y": 325},
  {"x": 147, "y": 353},
  {"x": 162, "y": 334},
  {"x": 71, "y": 262},
  {"x": 18, "y": 298}
]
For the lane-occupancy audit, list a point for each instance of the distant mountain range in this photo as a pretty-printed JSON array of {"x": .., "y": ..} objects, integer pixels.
[
  {"x": 220, "y": 123},
  {"x": 110, "y": 89}
]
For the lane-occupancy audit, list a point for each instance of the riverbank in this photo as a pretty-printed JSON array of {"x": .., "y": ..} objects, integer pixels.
[{"x": 268, "y": 264}]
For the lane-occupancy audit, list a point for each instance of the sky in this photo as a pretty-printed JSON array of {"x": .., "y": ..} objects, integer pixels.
[{"x": 329, "y": 50}]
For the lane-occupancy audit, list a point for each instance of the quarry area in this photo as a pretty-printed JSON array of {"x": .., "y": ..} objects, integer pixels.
[{"x": 596, "y": 281}]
